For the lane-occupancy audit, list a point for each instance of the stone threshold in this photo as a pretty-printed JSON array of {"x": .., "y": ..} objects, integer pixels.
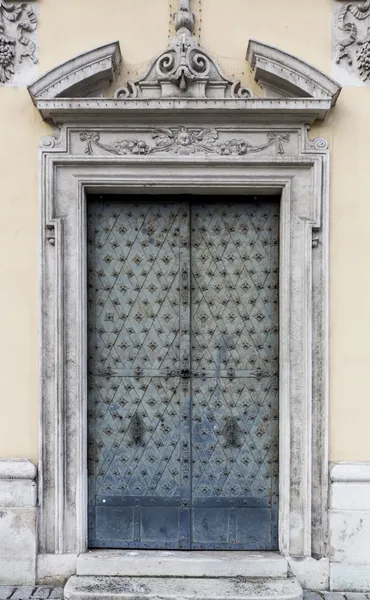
[
  {"x": 162, "y": 563},
  {"x": 177, "y": 588},
  {"x": 56, "y": 593}
]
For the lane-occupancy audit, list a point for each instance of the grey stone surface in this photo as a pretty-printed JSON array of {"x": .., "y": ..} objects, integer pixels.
[
  {"x": 6, "y": 592},
  {"x": 56, "y": 593},
  {"x": 311, "y": 596},
  {"x": 153, "y": 563},
  {"x": 23, "y": 593},
  {"x": 42, "y": 592},
  {"x": 31, "y": 593},
  {"x": 236, "y": 588}
]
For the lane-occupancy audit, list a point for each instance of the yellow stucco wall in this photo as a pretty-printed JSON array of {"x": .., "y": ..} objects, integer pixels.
[{"x": 302, "y": 27}]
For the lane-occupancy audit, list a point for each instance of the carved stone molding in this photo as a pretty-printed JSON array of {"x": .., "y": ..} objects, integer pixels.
[
  {"x": 18, "y": 42},
  {"x": 212, "y": 155},
  {"x": 183, "y": 141}
]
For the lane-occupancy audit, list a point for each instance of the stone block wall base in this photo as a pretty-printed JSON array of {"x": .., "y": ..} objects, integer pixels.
[
  {"x": 17, "y": 522},
  {"x": 349, "y": 519},
  {"x": 312, "y": 574},
  {"x": 55, "y": 569},
  {"x": 18, "y": 546},
  {"x": 349, "y": 578}
]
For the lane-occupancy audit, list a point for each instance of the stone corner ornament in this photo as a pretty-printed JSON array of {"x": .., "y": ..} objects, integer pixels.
[
  {"x": 351, "y": 42},
  {"x": 18, "y": 47}
]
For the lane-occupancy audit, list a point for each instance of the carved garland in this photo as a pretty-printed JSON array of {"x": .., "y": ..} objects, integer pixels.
[
  {"x": 184, "y": 141},
  {"x": 27, "y": 22}
]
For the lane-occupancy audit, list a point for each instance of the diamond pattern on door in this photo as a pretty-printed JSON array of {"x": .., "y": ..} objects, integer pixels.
[{"x": 183, "y": 374}]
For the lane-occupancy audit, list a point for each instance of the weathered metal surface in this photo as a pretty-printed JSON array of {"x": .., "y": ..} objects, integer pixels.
[
  {"x": 235, "y": 352},
  {"x": 183, "y": 394}
]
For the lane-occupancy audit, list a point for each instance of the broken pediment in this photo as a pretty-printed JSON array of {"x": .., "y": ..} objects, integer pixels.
[
  {"x": 186, "y": 72},
  {"x": 282, "y": 75}
]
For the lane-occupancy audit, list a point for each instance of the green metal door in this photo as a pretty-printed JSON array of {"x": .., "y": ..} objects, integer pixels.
[{"x": 183, "y": 373}]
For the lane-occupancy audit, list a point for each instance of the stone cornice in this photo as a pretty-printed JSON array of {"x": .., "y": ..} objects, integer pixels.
[{"x": 247, "y": 110}]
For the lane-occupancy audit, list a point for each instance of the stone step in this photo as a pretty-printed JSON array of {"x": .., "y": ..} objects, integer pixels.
[
  {"x": 153, "y": 563},
  {"x": 167, "y": 588}
]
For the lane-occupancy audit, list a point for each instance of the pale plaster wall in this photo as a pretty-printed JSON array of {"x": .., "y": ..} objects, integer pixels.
[
  {"x": 302, "y": 27},
  {"x": 20, "y": 128}
]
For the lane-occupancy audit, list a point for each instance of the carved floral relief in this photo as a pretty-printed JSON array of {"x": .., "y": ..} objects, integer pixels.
[
  {"x": 351, "y": 42},
  {"x": 184, "y": 141},
  {"x": 18, "y": 23}
]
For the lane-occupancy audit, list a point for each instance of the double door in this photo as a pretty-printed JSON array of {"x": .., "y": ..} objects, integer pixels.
[{"x": 183, "y": 373}]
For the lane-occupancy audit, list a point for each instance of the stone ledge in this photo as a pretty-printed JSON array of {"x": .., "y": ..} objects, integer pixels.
[
  {"x": 17, "y": 469},
  {"x": 350, "y": 472}
]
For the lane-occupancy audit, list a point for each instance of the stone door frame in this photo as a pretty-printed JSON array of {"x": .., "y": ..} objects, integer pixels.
[{"x": 299, "y": 172}]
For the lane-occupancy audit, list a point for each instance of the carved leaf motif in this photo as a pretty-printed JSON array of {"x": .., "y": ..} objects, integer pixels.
[
  {"x": 163, "y": 137},
  {"x": 11, "y": 11},
  {"x": 7, "y": 57},
  {"x": 206, "y": 136},
  {"x": 132, "y": 147},
  {"x": 363, "y": 60}
]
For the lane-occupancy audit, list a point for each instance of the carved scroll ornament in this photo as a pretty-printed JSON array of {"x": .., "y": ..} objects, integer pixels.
[{"x": 184, "y": 69}]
